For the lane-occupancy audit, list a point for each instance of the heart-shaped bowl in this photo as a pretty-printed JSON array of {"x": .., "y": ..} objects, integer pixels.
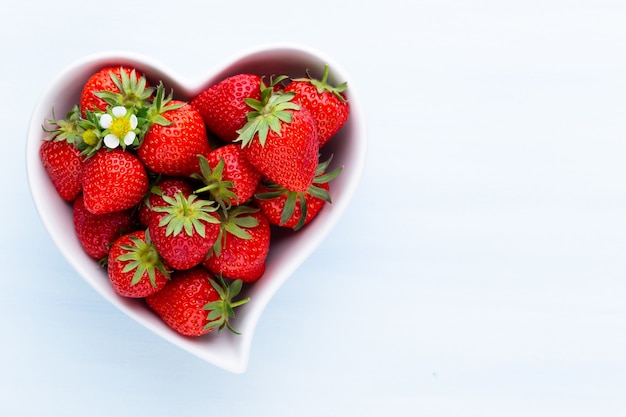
[{"x": 288, "y": 250}]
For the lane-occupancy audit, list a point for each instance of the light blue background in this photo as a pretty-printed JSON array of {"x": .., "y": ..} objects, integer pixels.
[{"x": 480, "y": 270}]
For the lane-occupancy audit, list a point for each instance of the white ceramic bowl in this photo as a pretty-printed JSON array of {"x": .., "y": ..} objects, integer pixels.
[{"x": 226, "y": 350}]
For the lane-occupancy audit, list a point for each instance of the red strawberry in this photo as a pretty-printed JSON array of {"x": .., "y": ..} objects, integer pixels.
[
  {"x": 113, "y": 180},
  {"x": 134, "y": 267},
  {"x": 228, "y": 176},
  {"x": 280, "y": 140},
  {"x": 184, "y": 230},
  {"x": 121, "y": 86},
  {"x": 175, "y": 138},
  {"x": 165, "y": 186},
  {"x": 63, "y": 163},
  {"x": 96, "y": 232},
  {"x": 241, "y": 250},
  {"x": 326, "y": 104},
  {"x": 193, "y": 303},
  {"x": 223, "y": 106},
  {"x": 293, "y": 209},
  {"x": 59, "y": 155}
]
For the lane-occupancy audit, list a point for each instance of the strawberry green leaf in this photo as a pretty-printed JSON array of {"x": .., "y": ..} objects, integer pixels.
[
  {"x": 142, "y": 257},
  {"x": 222, "y": 310},
  {"x": 275, "y": 108},
  {"x": 133, "y": 91},
  {"x": 188, "y": 214},
  {"x": 68, "y": 129},
  {"x": 219, "y": 189},
  {"x": 322, "y": 85}
]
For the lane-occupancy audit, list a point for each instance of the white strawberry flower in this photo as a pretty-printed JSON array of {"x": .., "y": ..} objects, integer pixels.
[{"x": 120, "y": 127}]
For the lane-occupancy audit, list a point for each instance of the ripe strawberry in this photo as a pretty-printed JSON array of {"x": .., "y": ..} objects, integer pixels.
[
  {"x": 280, "y": 139},
  {"x": 60, "y": 157},
  {"x": 193, "y": 303},
  {"x": 174, "y": 139},
  {"x": 134, "y": 267},
  {"x": 241, "y": 250},
  {"x": 113, "y": 180},
  {"x": 223, "y": 106},
  {"x": 113, "y": 86},
  {"x": 184, "y": 230},
  {"x": 326, "y": 103},
  {"x": 63, "y": 163},
  {"x": 228, "y": 176},
  {"x": 164, "y": 186},
  {"x": 293, "y": 209},
  {"x": 96, "y": 232}
]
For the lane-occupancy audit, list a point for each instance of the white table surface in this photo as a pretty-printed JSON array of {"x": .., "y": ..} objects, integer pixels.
[{"x": 480, "y": 270}]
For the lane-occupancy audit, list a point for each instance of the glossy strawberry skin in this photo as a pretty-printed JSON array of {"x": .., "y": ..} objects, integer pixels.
[
  {"x": 180, "y": 304},
  {"x": 237, "y": 169},
  {"x": 168, "y": 186},
  {"x": 222, "y": 105},
  {"x": 121, "y": 280},
  {"x": 63, "y": 164},
  {"x": 329, "y": 112},
  {"x": 243, "y": 259},
  {"x": 100, "y": 81},
  {"x": 289, "y": 158},
  {"x": 96, "y": 232},
  {"x": 113, "y": 180},
  {"x": 173, "y": 149},
  {"x": 182, "y": 251}
]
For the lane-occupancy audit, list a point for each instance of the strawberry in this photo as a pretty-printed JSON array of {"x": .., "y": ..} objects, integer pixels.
[
  {"x": 174, "y": 139},
  {"x": 184, "y": 230},
  {"x": 241, "y": 250},
  {"x": 60, "y": 157},
  {"x": 228, "y": 176},
  {"x": 223, "y": 106},
  {"x": 293, "y": 209},
  {"x": 96, "y": 232},
  {"x": 134, "y": 267},
  {"x": 194, "y": 303},
  {"x": 326, "y": 103},
  {"x": 113, "y": 180},
  {"x": 164, "y": 186},
  {"x": 280, "y": 139},
  {"x": 63, "y": 163},
  {"x": 121, "y": 86}
]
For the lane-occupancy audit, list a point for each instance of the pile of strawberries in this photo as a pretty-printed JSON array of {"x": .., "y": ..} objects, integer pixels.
[{"x": 178, "y": 200}]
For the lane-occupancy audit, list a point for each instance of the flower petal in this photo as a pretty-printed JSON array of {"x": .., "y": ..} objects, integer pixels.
[
  {"x": 119, "y": 111},
  {"x": 105, "y": 121},
  {"x": 133, "y": 121},
  {"x": 111, "y": 141},
  {"x": 129, "y": 138}
]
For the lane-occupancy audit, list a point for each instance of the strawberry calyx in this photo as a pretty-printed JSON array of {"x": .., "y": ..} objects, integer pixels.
[
  {"x": 133, "y": 91},
  {"x": 322, "y": 85},
  {"x": 84, "y": 133},
  {"x": 188, "y": 214},
  {"x": 222, "y": 310},
  {"x": 234, "y": 221},
  {"x": 294, "y": 198},
  {"x": 219, "y": 188},
  {"x": 68, "y": 129},
  {"x": 160, "y": 105},
  {"x": 142, "y": 257},
  {"x": 274, "y": 108}
]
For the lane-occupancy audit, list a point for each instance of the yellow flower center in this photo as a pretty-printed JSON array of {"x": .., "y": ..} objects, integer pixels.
[
  {"x": 90, "y": 137},
  {"x": 120, "y": 127}
]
